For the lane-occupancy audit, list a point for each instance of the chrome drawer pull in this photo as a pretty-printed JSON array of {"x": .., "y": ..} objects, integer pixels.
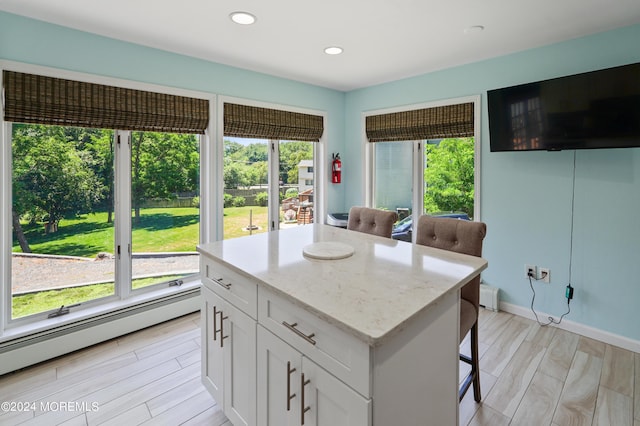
[
  {"x": 219, "y": 281},
  {"x": 293, "y": 328}
]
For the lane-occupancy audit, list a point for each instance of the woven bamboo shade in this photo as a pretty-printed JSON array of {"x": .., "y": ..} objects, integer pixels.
[
  {"x": 38, "y": 99},
  {"x": 266, "y": 123},
  {"x": 450, "y": 121}
]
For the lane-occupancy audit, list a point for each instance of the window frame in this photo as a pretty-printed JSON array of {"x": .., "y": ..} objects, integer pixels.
[
  {"x": 319, "y": 152},
  {"x": 124, "y": 297},
  {"x": 368, "y": 179}
]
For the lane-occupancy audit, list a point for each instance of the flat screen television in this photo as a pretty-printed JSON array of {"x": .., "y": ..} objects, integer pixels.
[{"x": 598, "y": 109}]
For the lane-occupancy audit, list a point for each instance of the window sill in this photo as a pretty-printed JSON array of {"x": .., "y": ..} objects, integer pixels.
[{"x": 23, "y": 331}]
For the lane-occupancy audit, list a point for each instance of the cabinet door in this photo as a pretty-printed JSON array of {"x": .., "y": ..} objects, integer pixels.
[
  {"x": 326, "y": 401},
  {"x": 238, "y": 331},
  {"x": 212, "y": 353},
  {"x": 278, "y": 381}
]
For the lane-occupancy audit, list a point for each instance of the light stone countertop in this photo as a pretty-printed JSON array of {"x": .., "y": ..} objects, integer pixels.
[{"x": 370, "y": 294}]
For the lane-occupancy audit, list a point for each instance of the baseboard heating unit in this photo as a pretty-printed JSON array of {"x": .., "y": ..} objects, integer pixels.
[
  {"x": 42, "y": 345},
  {"x": 489, "y": 297}
]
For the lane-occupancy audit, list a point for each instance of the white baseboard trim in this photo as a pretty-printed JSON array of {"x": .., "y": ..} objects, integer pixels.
[
  {"x": 40, "y": 351},
  {"x": 574, "y": 327}
]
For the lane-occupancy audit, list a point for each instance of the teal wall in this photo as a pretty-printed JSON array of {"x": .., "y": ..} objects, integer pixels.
[
  {"x": 35, "y": 42},
  {"x": 526, "y": 196},
  {"x": 607, "y": 190}
]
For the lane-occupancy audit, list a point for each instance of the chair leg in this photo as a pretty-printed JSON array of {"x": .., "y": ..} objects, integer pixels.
[{"x": 475, "y": 364}]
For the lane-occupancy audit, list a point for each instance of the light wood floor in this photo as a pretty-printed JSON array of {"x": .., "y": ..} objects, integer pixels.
[{"x": 530, "y": 375}]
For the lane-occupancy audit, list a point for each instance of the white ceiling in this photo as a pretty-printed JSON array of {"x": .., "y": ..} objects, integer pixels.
[{"x": 383, "y": 40}]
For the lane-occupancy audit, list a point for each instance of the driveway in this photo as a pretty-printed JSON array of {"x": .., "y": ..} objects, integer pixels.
[{"x": 34, "y": 272}]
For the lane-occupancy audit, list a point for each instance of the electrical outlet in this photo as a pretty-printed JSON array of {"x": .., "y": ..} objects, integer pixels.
[
  {"x": 545, "y": 275},
  {"x": 530, "y": 271}
]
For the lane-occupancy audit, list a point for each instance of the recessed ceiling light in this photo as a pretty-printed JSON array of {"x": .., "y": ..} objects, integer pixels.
[
  {"x": 474, "y": 29},
  {"x": 242, "y": 18},
  {"x": 333, "y": 50}
]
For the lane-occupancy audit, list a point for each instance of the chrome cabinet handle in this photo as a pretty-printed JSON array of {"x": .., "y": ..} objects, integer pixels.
[
  {"x": 215, "y": 326},
  {"x": 219, "y": 281},
  {"x": 293, "y": 328},
  {"x": 289, "y": 396},
  {"x": 222, "y": 336},
  {"x": 303, "y": 409}
]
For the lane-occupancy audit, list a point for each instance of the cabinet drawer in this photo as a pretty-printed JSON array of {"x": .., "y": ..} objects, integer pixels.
[
  {"x": 341, "y": 354},
  {"x": 240, "y": 291}
]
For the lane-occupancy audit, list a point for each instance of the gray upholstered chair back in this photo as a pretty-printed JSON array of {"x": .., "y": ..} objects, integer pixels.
[
  {"x": 372, "y": 221},
  {"x": 466, "y": 237},
  {"x": 461, "y": 236}
]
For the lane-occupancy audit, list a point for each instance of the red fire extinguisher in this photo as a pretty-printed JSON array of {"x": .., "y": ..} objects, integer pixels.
[{"x": 336, "y": 168}]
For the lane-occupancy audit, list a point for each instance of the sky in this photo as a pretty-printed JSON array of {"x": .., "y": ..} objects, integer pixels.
[{"x": 244, "y": 141}]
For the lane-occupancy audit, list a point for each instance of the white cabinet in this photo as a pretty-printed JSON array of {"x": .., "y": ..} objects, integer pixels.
[
  {"x": 229, "y": 358},
  {"x": 270, "y": 361},
  {"x": 278, "y": 389},
  {"x": 293, "y": 390},
  {"x": 212, "y": 352}
]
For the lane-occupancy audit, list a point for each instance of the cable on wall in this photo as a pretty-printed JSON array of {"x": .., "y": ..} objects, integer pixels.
[
  {"x": 550, "y": 318},
  {"x": 569, "y": 289},
  {"x": 573, "y": 202}
]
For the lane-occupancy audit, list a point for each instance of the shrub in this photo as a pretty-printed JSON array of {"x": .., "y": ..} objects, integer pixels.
[
  {"x": 238, "y": 202},
  {"x": 291, "y": 193},
  {"x": 228, "y": 200},
  {"x": 195, "y": 202},
  {"x": 262, "y": 198}
]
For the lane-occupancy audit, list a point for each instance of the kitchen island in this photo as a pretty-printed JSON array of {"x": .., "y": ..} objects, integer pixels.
[{"x": 368, "y": 336}]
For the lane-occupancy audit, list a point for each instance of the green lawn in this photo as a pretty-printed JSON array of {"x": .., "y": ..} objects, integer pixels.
[
  {"x": 237, "y": 218},
  {"x": 159, "y": 230},
  {"x": 27, "y": 304}
]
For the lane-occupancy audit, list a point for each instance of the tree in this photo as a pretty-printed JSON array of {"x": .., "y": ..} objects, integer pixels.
[
  {"x": 449, "y": 176},
  {"x": 291, "y": 153},
  {"x": 101, "y": 147},
  {"x": 259, "y": 172},
  {"x": 256, "y": 152},
  {"x": 234, "y": 175},
  {"x": 51, "y": 179},
  {"x": 162, "y": 164},
  {"x": 231, "y": 147}
]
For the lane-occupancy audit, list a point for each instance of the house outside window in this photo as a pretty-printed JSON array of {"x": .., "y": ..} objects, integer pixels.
[{"x": 305, "y": 175}]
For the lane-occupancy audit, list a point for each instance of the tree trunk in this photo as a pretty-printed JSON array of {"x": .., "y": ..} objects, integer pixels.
[
  {"x": 24, "y": 244},
  {"x": 136, "y": 185},
  {"x": 110, "y": 202}
]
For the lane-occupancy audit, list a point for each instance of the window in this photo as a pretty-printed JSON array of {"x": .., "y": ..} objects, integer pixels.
[
  {"x": 62, "y": 217},
  {"x": 433, "y": 174},
  {"x": 252, "y": 172},
  {"x": 246, "y": 186},
  {"x": 165, "y": 201},
  {"x": 393, "y": 175},
  {"x": 269, "y": 162},
  {"x": 63, "y": 250},
  {"x": 298, "y": 206},
  {"x": 96, "y": 214}
]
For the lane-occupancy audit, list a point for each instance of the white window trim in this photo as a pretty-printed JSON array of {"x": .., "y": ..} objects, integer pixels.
[
  {"x": 319, "y": 153},
  {"x": 11, "y": 329},
  {"x": 368, "y": 177}
]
